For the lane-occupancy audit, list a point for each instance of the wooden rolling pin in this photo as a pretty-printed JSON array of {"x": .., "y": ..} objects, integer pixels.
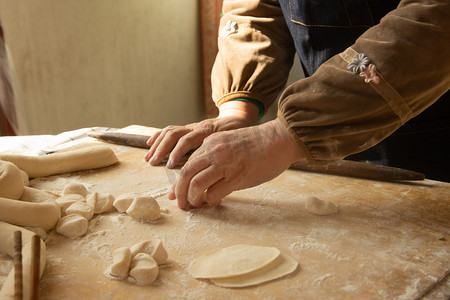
[{"x": 343, "y": 168}]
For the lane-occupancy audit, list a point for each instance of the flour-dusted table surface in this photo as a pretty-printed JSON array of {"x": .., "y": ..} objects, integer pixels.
[{"x": 388, "y": 240}]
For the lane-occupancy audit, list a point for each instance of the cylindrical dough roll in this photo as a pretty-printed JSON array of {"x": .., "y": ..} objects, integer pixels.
[
  {"x": 86, "y": 158},
  {"x": 11, "y": 181},
  {"x": 23, "y": 213}
]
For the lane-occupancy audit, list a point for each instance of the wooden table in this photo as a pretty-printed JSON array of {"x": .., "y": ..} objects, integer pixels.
[{"x": 388, "y": 240}]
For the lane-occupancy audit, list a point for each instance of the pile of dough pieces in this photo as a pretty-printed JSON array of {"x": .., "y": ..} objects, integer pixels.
[
  {"x": 78, "y": 206},
  {"x": 242, "y": 265},
  {"x": 140, "y": 262}
]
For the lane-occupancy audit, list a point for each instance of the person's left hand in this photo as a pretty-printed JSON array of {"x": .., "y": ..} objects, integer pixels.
[{"x": 234, "y": 160}]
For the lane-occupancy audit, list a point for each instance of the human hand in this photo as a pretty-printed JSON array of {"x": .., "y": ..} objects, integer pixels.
[
  {"x": 178, "y": 140},
  {"x": 234, "y": 160}
]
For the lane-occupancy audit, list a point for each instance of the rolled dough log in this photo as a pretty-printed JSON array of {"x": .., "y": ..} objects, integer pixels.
[
  {"x": 75, "y": 188},
  {"x": 121, "y": 263},
  {"x": 86, "y": 158},
  {"x": 232, "y": 261},
  {"x": 144, "y": 207},
  {"x": 153, "y": 247},
  {"x": 37, "y": 196},
  {"x": 82, "y": 209},
  {"x": 144, "y": 269},
  {"x": 23, "y": 213},
  {"x": 7, "y": 246},
  {"x": 101, "y": 202},
  {"x": 11, "y": 180},
  {"x": 72, "y": 226},
  {"x": 320, "y": 207},
  {"x": 280, "y": 267}
]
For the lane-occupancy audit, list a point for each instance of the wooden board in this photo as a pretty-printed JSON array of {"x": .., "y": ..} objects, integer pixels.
[{"x": 385, "y": 241}]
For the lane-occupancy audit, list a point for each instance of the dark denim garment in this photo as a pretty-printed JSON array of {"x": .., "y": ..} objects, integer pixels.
[{"x": 323, "y": 28}]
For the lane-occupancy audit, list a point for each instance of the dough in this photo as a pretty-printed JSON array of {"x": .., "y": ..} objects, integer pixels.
[
  {"x": 65, "y": 201},
  {"x": 72, "y": 226},
  {"x": 232, "y": 261},
  {"x": 144, "y": 208},
  {"x": 153, "y": 247},
  {"x": 38, "y": 196},
  {"x": 11, "y": 181},
  {"x": 101, "y": 202},
  {"x": 7, "y": 246},
  {"x": 82, "y": 209},
  {"x": 280, "y": 267},
  {"x": 144, "y": 269},
  {"x": 320, "y": 207},
  {"x": 121, "y": 263},
  {"x": 23, "y": 213},
  {"x": 75, "y": 188},
  {"x": 123, "y": 202},
  {"x": 86, "y": 158}
]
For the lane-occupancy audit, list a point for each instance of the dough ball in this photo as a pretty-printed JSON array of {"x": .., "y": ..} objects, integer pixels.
[
  {"x": 101, "y": 202},
  {"x": 232, "y": 261},
  {"x": 121, "y": 263},
  {"x": 320, "y": 207},
  {"x": 153, "y": 247},
  {"x": 123, "y": 202},
  {"x": 82, "y": 209},
  {"x": 67, "y": 200},
  {"x": 11, "y": 181},
  {"x": 75, "y": 188},
  {"x": 144, "y": 208},
  {"x": 280, "y": 267},
  {"x": 144, "y": 269},
  {"x": 72, "y": 226}
]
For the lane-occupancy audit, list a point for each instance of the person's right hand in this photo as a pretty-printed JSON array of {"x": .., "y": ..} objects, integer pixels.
[{"x": 179, "y": 140}]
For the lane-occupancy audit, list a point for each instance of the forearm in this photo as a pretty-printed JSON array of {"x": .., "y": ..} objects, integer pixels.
[{"x": 335, "y": 113}]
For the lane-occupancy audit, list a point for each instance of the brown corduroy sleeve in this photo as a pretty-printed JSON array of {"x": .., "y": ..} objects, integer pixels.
[
  {"x": 335, "y": 113},
  {"x": 256, "y": 52}
]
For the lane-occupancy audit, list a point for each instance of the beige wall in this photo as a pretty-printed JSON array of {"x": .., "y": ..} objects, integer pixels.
[{"x": 82, "y": 63}]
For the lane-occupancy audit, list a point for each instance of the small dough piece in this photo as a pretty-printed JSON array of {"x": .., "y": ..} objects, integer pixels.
[
  {"x": 144, "y": 207},
  {"x": 82, "y": 209},
  {"x": 101, "y": 203},
  {"x": 280, "y": 267},
  {"x": 75, "y": 188},
  {"x": 232, "y": 261},
  {"x": 320, "y": 207},
  {"x": 123, "y": 202},
  {"x": 121, "y": 263},
  {"x": 72, "y": 226},
  {"x": 11, "y": 181},
  {"x": 25, "y": 178},
  {"x": 85, "y": 158},
  {"x": 67, "y": 200},
  {"x": 154, "y": 247},
  {"x": 144, "y": 269}
]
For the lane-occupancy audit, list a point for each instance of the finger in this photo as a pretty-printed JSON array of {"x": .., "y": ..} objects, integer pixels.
[
  {"x": 156, "y": 141},
  {"x": 153, "y": 138},
  {"x": 218, "y": 191},
  {"x": 189, "y": 170},
  {"x": 200, "y": 183},
  {"x": 186, "y": 143},
  {"x": 166, "y": 144}
]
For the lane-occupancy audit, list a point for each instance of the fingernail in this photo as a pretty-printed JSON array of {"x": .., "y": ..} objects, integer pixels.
[{"x": 169, "y": 163}]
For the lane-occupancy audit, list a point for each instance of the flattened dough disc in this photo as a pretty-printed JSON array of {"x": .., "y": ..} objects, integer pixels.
[
  {"x": 282, "y": 266},
  {"x": 232, "y": 261}
]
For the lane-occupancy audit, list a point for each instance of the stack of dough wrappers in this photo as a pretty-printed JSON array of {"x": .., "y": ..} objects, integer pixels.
[{"x": 242, "y": 265}]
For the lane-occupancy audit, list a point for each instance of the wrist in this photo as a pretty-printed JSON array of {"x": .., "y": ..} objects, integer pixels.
[{"x": 247, "y": 111}]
